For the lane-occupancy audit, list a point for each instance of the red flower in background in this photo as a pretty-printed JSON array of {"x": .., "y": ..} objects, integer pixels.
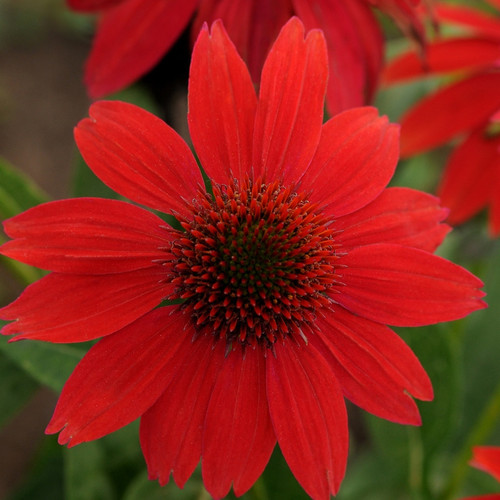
[
  {"x": 486, "y": 458},
  {"x": 133, "y": 35},
  {"x": 468, "y": 108},
  {"x": 288, "y": 273}
]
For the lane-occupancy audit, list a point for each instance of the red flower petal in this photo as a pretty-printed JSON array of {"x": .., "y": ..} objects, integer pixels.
[
  {"x": 86, "y": 235},
  {"x": 309, "y": 418},
  {"x": 131, "y": 38},
  {"x": 406, "y": 15},
  {"x": 238, "y": 438},
  {"x": 375, "y": 368},
  {"x": 222, "y": 104},
  {"x": 76, "y": 308},
  {"x": 139, "y": 156},
  {"x": 487, "y": 458},
  {"x": 171, "y": 430},
  {"x": 355, "y": 160},
  {"x": 471, "y": 17},
  {"x": 454, "y": 109},
  {"x": 355, "y": 44},
  {"x": 404, "y": 286},
  {"x": 290, "y": 108},
  {"x": 494, "y": 220},
  {"x": 444, "y": 56},
  {"x": 91, "y": 5},
  {"x": 252, "y": 25},
  {"x": 471, "y": 178},
  {"x": 399, "y": 215},
  {"x": 119, "y": 378}
]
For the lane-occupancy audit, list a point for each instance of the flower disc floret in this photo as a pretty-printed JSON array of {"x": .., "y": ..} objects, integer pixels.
[{"x": 254, "y": 262}]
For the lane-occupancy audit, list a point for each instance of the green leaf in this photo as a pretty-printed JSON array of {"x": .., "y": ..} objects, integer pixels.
[
  {"x": 17, "y": 191},
  {"x": 49, "y": 364},
  {"x": 16, "y": 387},
  {"x": 481, "y": 381},
  {"x": 480, "y": 347},
  {"x": 438, "y": 349},
  {"x": 85, "y": 477}
]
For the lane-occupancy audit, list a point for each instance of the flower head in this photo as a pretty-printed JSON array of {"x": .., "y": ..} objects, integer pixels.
[
  {"x": 468, "y": 108},
  {"x": 133, "y": 35},
  {"x": 275, "y": 288}
]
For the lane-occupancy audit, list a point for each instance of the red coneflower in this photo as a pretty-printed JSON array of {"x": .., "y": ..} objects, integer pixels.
[
  {"x": 133, "y": 35},
  {"x": 467, "y": 108},
  {"x": 287, "y": 270}
]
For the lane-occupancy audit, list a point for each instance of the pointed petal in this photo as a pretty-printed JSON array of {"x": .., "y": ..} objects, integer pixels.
[
  {"x": 171, "y": 430},
  {"x": 404, "y": 286},
  {"x": 131, "y": 38},
  {"x": 87, "y": 236},
  {"x": 444, "y": 56},
  {"x": 487, "y": 458},
  {"x": 252, "y": 25},
  {"x": 77, "y": 308},
  {"x": 451, "y": 110},
  {"x": 238, "y": 437},
  {"x": 399, "y": 215},
  {"x": 91, "y": 5},
  {"x": 371, "y": 38},
  {"x": 470, "y": 178},
  {"x": 355, "y": 160},
  {"x": 309, "y": 417},
  {"x": 355, "y": 44},
  {"x": 291, "y": 100},
  {"x": 471, "y": 17},
  {"x": 376, "y": 369},
  {"x": 222, "y": 104},
  {"x": 119, "y": 378},
  {"x": 139, "y": 156}
]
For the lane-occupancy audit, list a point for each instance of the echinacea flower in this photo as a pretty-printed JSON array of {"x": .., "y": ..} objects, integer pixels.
[
  {"x": 487, "y": 459},
  {"x": 467, "y": 108},
  {"x": 287, "y": 269},
  {"x": 133, "y": 35}
]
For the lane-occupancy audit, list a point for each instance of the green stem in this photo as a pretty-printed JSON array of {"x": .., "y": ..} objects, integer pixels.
[{"x": 484, "y": 425}]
